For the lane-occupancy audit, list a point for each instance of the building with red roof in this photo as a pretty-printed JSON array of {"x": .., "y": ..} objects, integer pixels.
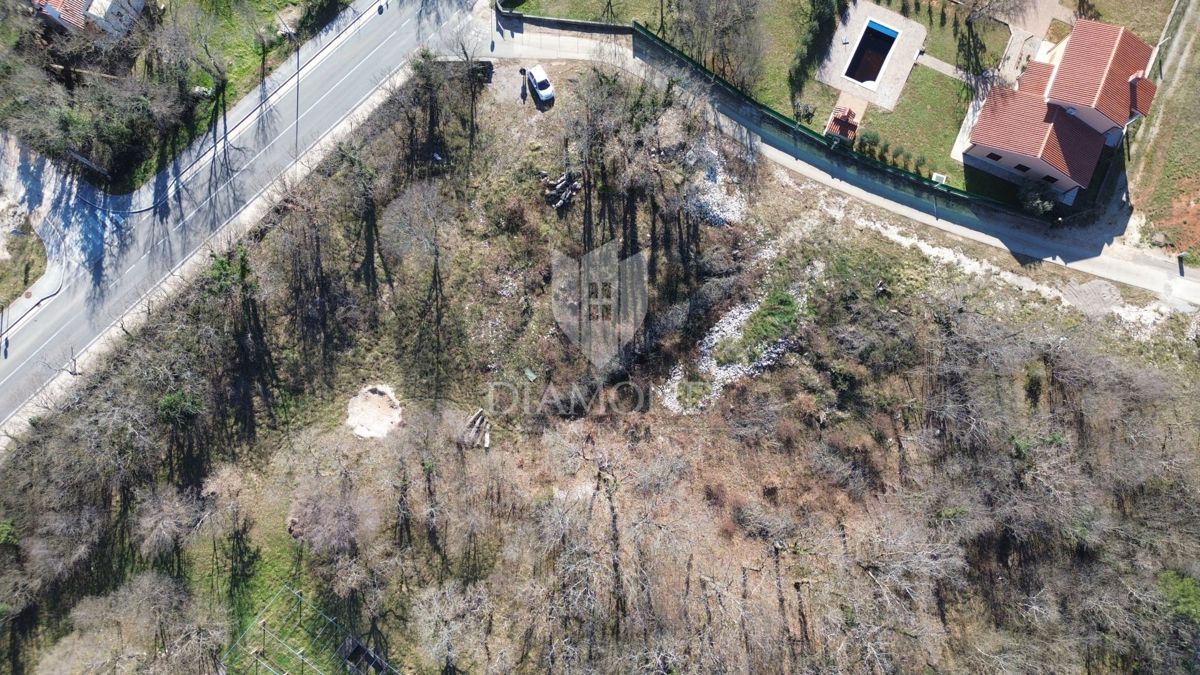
[
  {"x": 1054, "y": 125},
  {"x": 114, "y": 17}
]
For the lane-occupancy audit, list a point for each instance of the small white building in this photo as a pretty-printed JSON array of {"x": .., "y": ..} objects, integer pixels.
[{"x": 114, "y": 17}]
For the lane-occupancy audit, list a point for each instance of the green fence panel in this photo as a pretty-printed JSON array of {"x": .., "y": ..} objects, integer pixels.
[{"x": 829, "y": 145}]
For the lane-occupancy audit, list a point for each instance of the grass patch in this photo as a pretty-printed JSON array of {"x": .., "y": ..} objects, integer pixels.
[
  {"x": 973, "y": 48},
  {"x": 1145, "y": 18},
  {"x": 784, "y": 23},
  {"x": 822, "y": 98},
  {"x": 27, "y": 263},
  {"x": 1167, "y": 175},
  {"x": 1182, "y": 592},
  {"x": 948, "y": 38},
  {"x": 693, "y": 389},
  {"x": 775, "y": 318},
  {"x": 925, "y": 123},
  {"x": 622, "y": 11}
]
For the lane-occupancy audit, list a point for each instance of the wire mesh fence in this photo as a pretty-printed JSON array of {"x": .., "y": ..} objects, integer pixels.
[{"x": 292, "y": 636}]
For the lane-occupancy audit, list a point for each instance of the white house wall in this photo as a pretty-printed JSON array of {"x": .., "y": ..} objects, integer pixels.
[{"x": 1037, "y": 167}]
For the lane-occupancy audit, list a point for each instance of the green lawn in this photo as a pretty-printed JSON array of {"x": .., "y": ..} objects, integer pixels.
[
  {"x": 643, "y": 11},
  {"x": 948, "y": 38},
  {"x": 784, "y": 22},
  {"x": 822, "y": 98},
  {"x": 925, "y": 121},
  {"x": 1145, "y": 18}
]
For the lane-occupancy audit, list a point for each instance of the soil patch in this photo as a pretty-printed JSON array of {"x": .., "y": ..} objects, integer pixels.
[{"x": 374, "y": 412}]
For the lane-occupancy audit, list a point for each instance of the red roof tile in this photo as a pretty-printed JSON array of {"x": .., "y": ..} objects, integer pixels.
[
  {"x": 1011, "y": 121},
  {"x": 843, "y": 127},
  {"x": 1097, "y": 69},
  {"x": 1143, "y": 95},
  {"x": 69, "y": 11},
  {"x": 1023, "y": 123},
  {"x": 1035, "y": 78},
  {"x": 1072, "y": 147}
]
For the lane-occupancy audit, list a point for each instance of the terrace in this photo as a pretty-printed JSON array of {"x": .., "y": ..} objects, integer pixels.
[{"x": 873, "y": 51}]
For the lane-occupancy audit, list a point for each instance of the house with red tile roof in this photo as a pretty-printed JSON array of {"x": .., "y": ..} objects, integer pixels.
[
  {"x": 1054, "y": 125},
  {"x": 114, "y": 17}
]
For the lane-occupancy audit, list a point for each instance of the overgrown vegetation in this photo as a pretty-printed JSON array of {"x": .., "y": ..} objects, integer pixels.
[
  {"x": 921, "y": 479},
  {"x": 25, "y": 262},
  {"x": 121, "y": 108}
]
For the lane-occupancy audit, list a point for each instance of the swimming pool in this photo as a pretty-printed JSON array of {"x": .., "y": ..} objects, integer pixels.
[{"x": 871, "y": 54}]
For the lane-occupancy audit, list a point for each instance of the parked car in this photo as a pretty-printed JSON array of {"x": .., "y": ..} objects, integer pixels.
[{"x": 539, "y": 84}]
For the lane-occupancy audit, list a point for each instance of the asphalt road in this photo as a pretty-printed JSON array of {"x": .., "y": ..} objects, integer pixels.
[{"x": 121, "y": 254}]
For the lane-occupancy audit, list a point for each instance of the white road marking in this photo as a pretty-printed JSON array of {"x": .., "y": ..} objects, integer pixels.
[{"x": 252, "y": 199}]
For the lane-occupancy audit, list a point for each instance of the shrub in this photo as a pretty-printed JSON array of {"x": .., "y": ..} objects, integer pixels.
[
  {"x": 1037, "y": 199},
  {"x": 511, "y": 217},
  {"x": 177, "y": 408},
  {"x": 868, "y": 141},
  {"x": 716, "y": 495},
  {"x": 1183, "y": 593},
  {"x": 760, "y": 523},
  {"x": 8, "y": 533}
]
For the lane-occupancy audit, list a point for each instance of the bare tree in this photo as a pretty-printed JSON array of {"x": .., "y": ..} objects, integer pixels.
[
  {"x": 1004, "y": 10},
  {"x": 165, "y": 518},
  {"x": 332, "y": 517}
]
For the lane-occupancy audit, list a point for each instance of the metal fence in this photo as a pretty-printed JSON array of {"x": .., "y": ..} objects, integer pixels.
[
  {"x": 784, "y": 133},
  {"x": 824, "y": 151},
  {"x": 292, "y": 636}
]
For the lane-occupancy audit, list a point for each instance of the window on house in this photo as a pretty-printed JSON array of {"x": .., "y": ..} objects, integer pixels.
[
  {"x": 994, "y": 157},
  {"x": 1050, "y": 179},
  {"x": 1021, "y": 167}
]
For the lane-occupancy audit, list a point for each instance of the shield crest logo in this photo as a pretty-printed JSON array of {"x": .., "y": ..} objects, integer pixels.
[{"x": 600, "y": 300}]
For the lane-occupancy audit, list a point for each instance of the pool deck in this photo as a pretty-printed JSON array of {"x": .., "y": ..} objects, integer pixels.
[{"x": 899, "y": 61}]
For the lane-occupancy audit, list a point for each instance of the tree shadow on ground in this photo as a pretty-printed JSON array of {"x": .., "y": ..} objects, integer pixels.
[
  {"x": 972, "y": 52},
  {"x": 319, "y": 15},
  {"x": 244, "y": 559}
]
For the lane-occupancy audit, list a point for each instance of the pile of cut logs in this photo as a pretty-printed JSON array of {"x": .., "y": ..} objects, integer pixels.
[
  {"x": 561, "y": 190},
  {"x": 478, "y": 432}
]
